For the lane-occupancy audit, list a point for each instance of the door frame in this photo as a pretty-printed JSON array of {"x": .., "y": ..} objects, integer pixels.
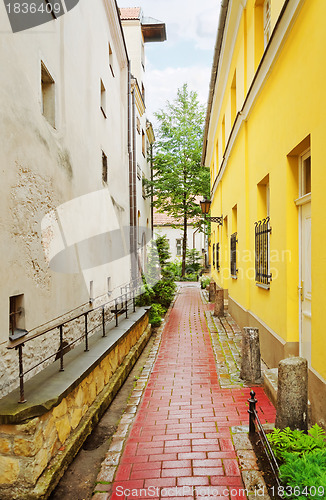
[{"x": 302, "y": 200}]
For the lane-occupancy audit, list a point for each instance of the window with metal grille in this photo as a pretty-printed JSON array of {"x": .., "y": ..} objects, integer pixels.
[
  {"x": 213, "y": 254},
  {"x": 217, "y": 256},
  {"x": 262, "y": 263},
  {"x": 233, "y": 259}
]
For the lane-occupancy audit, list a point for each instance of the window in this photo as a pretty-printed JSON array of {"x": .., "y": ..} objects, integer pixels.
[
  {"x": 48, "y": 95},
  {"x": 16, "y": 317},
  {"x": 104, "y": 168},
  {"x": 139, "y": 171},
  {"x": 223, "y": 134},
  {"x": 138, "y": 125},
  {"x": 143, "y": 92},
  {"x": 143, "y": 143},
  {"x": 144, "y": 187},
  {"x": 111, "y": 60},
  {"x": 217, "y": 257},
  {"x": 213, "y": 254},
  {"x": 103, "y": 99},
  {"x": 305, "y": 173},
  {"x": 267, "y": 22},
  {"x": 262, "y": 247},
  {"x": 234, "y": 98},
  {"x": 233, "y": 255},
  {"x": 179, "y": 246}
]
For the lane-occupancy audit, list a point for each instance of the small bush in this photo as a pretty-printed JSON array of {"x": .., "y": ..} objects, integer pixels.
[
  {"x": 305, "y": 476},
  {"x": 287, "y": 441},
  {"x": 204, "y": 281},
  {"x": 164, "y": 292},
  {"x": 147, "y": 296},
  {"x": 190, "y": 277},
  {"x": 303, "y": 457},
  {"x": 156, "y": 314}
]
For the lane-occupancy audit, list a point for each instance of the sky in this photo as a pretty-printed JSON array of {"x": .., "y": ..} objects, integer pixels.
[{"x": 186, "y": 56}]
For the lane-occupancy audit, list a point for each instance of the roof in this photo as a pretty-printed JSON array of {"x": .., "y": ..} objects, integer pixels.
[
  {"x": 129, "y": 13},
  {"x": 163, "y": 219},
  {"x": 152, "y": 29}
]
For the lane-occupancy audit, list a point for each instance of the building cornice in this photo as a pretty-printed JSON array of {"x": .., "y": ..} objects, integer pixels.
[{"x": 116, "y": 31}]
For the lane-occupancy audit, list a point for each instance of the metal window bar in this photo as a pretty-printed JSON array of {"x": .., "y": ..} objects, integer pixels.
[
  {"x": 262, "y": 247},
  {"x": 213, "y": 254},
  {"x": 122, "y": 304},
  {"x": 255, "y": 425},
  {"x": 233, "y": 259},
  {"x": 217, "y": 252}
]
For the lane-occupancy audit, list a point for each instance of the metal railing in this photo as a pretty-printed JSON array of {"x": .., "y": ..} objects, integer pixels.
[
  {"x": 233, "y": 254},
  {"x": 255, "y": 425},
  {"x": 262, "y": 232},
  {"x": 117, "y": 306}
]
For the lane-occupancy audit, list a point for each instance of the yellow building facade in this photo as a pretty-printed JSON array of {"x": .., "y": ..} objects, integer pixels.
[{"x": 264, "y": 141}]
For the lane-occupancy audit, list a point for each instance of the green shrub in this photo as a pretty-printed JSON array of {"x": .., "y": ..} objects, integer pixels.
[
  {"x": 156, "y": 314},
  {"x": 172, "y": 270},
  {"x": 305, "y": 476},
  {"x": 147, "y": 296},
  {"x": 204, "y": 281},
  {"x": 303, "y": 457},
  {"x": 193, "y": 261},
  {"x": 190, "y": 277},
  {"x": 164, "y": 292},
  {"x": 287, "y": 441}
]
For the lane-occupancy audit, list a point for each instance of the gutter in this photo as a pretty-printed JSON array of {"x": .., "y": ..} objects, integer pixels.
[{"x": 216, "y": 60}]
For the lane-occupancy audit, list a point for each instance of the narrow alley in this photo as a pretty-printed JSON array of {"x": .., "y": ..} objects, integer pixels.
[{"x": 180, "y": 443}]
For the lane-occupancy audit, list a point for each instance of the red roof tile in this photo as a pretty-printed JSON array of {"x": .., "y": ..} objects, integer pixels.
[{"x": 130, "y": 13}]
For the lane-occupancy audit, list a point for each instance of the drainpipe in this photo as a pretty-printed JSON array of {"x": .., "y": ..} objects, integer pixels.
[
  {"x": 152, "y": 208},
  {"x": 130, "y": 156},
  {"x": 134, "y": 179}
]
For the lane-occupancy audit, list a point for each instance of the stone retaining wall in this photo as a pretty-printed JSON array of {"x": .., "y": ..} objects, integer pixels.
[{"x": 27, "y": 449}]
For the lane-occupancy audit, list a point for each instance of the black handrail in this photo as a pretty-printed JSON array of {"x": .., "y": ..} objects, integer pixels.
[
  {"x": 256, "y": 425},
  {"x": 121, "y": 305}
]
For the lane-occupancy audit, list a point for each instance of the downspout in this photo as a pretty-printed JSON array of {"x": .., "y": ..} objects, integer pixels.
[
  {"x": 152, "y": 196},
  {"x": 130, "y": 155},
  {"x": 134, "y": 181}
]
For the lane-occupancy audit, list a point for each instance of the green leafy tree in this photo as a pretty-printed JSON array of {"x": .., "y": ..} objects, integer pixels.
[{"x": 178, "y": 174}]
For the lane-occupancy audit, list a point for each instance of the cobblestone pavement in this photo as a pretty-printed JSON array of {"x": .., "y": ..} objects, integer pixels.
[{"x": 178, "y": 443}]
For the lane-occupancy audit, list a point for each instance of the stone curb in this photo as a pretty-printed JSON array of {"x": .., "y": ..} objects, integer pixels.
[
  {"x": 109, "y": 466},
  {"x": 251, "y": 475}
]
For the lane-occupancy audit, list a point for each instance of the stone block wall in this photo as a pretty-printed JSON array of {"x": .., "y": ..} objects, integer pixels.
[{"x": 26, "y": 449}]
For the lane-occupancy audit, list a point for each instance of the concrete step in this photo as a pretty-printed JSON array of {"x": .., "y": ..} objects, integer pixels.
[{"x": 270, "y": 384}]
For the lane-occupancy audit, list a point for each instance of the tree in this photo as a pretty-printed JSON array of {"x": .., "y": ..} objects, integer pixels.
[{"x": 178, "y": 174}]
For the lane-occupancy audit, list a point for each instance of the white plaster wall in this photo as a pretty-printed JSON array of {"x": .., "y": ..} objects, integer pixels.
[
  {"x": 194, "y": 239},
  {"x": 43, "y": 168}
]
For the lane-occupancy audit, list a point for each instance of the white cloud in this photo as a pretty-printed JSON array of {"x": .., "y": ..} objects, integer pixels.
[
  {"x": 162, "y": 85},
  {"x": 187, "y": 21},
  {"x": 194, "y": 20}
]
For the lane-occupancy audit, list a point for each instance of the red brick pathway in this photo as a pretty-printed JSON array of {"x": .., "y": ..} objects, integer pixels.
[{"x": 180, "y": 444}]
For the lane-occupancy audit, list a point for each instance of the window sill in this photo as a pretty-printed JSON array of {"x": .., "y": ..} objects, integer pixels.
[
  {"x": 234, "y": 277},
  {"x": 262, "y": 285}
]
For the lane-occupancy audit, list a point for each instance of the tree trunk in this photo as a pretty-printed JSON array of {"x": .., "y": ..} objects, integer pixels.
[{"x": 184, "y": 245}]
